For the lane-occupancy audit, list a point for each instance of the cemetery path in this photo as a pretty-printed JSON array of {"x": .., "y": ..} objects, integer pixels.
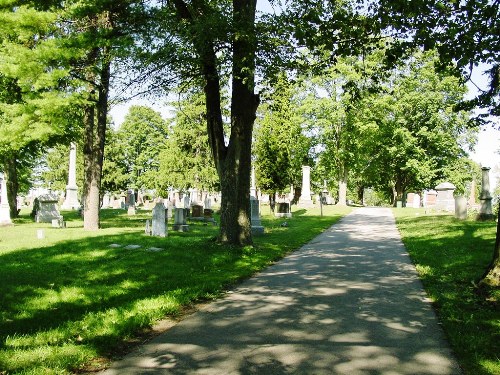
[{"x": 348, "y": 302}]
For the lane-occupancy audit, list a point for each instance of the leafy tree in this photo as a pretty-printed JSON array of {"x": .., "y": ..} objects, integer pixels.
[
  {"x": 34, "y": 113},
  {"x": 280, "y": 147},
  {"x": 416, "y": 132},
  {"x": 185, "y": 160},
  {"x": 140, "y": 139}
]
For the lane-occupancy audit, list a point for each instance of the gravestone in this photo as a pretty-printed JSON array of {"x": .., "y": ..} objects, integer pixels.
[
  {"x": 196, "y": 212},
  {"x": 305, "y": 196},
  {"x": 47, "y": 210},
  {"x": 131, "y": 203},
  {"x": 253, "y": 189},
  {"x": 180, "y": 224},
  {"x": 485, "y": 212},
  {"x": 461, "y": 207},
  {"x": 71, "y": 201},
  {"x": 147, "y": 230},
  {"x": 283, "y": 209},
  {"x": 106, "y": 200},
  {"x": 159, "y": 221},
  {"x": 208, "y": 203},
  {"x": 4, "y": 204},
  {"x": 208, "y": 215},
  {"x": 444, "y": 199},
  {"x": 257, "y": 228}
]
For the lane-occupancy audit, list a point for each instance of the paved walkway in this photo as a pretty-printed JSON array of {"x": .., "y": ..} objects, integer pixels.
[{"x": 349, "y": 302}]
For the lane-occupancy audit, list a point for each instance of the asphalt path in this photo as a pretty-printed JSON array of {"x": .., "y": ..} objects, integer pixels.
[{"x": 348, "y": 302}]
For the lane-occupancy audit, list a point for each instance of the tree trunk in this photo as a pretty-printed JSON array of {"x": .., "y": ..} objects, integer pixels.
[
  {"x": 491, "y": 276},
  {"x": 93, "y": 151},
  {"x": 343, "y": 188},
  {"x": 232, "y": 161},
  {"x": 236, "y": 169},
  {"x": 10, "y": 163}
]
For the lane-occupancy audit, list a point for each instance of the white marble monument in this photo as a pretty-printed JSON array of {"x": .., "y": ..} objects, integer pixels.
[
  {"x": 4, "y": 203},
  {"x": 305, "y": 196},
  {"x": 71, "y": 200}
]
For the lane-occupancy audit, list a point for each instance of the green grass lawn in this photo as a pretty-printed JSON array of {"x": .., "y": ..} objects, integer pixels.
[
  {"x": 450, "y": 255},
  {"x": 70, "y": 302}
]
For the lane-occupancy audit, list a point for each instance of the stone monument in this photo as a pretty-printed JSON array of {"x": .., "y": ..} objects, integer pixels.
[
  {"x": 461, "y": 207},
  {"x": 4, "y": 203},
  {"x": 485, "y": 212},
  {"x": 71, "y": 200},
  {"x": 180, "y": 224},
  {"x": 48, "y": 211},
  {"x": 444, "y": 199},
  {"x": 253, "y": 189},
  {"x": 305, "y": 196},
  {"x": 159, "y": 222},
  {"x": 257, "y": 228},
  {"x": 131, "y": 203},
  {"x": 283, "y": 209}
]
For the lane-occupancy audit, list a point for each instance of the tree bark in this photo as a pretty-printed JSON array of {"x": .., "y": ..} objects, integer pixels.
[
  {"x": 93, "y": 150},
  {"x": 236, "y": 170},
  {"x": 491, "y": 276},
  {"x": 232, "y": 161},
  {"x": 10, "y": 163}
]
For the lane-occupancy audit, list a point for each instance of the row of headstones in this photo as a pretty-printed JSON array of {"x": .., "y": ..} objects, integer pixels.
[{"x": 157, "y": 226}]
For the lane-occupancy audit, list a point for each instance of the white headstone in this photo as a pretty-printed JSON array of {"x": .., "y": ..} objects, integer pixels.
[
  {"x": 48, "y": 210},
  {"x": 159, "y": 222},
  {"x": 71, "y": 200},
  {"x": 486, "y": 211},
  {"x": 305, "y": 196},
  {"x": 180, "y": 220},
  {"x": 4, "y": 203},
  {"x": 257, "y": 227}
]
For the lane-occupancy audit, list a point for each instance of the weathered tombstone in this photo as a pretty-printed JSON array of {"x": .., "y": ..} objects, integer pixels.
[
  {"x": 147, "y": 230},
  {"x": 283, "y": 209},
  {"x": 196, "y": 212},
  {"x": 180, "y": 220},
  {"x": 461, "y": 207},
  {"x": 485, "y": 212},
  {"x": 444, "y": 199},
  {"x": 71, "y": 201},
  {"x": 131, "y": 203},
  {"x": 159, "y": 222},
  {"x": 58, "y": 223},
  {"x": 208, "y": 203},
  {"x": 106, "y": 200},
  {"x": 305, "y": 196},
  {"x": 47, "y": 210},
  {"x": 430, "y": 197},
  {"x": 4, "y": 204},
  {"x": 257, "y": 228},
  {"x": 253, "y": 189},
  {"x": 208, "y": 215}
]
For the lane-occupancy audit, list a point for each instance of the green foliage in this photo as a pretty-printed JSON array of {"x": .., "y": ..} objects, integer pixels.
[
  {"x": 138, "y": 143},
  {"x": 71, "y": 298},
  {"x": 450, "y": 255},
  {"x": 415, "y": 135},
  {"x": 186, "y": 160},
  {"x": 281, "y": 146}
]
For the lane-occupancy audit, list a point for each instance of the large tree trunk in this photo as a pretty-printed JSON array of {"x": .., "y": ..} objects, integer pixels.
[
  {"x": 10, "y": 163},
  {"x": 236, "y": 170},
  {"x": 93, "y": 151},
  {"x": 491, "y": 276},
  {"x": 232, "y": 161}
]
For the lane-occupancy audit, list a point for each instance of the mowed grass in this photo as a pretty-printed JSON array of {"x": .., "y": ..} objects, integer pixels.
[
  {"x": 69, "y": 302},
  {"x": 450, "y": 256}
]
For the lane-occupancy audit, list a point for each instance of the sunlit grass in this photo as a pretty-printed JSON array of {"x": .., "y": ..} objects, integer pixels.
[
  {"x": 450, "y": 256},
  {"x": 70, "y": 301}
]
